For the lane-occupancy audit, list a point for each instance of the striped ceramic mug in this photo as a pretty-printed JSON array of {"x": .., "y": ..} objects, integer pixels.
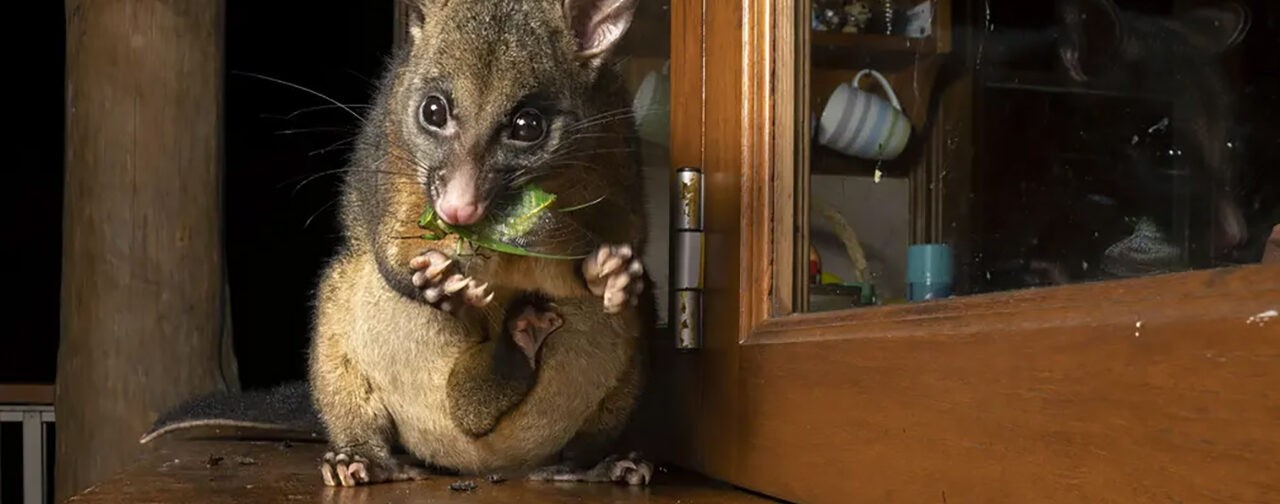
[{"x": 862, "y": 124}]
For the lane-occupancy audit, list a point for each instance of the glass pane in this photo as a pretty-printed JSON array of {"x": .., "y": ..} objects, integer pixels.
[
  {"x": 964, "y": 147},
  {"x": 645, "y": 67}
]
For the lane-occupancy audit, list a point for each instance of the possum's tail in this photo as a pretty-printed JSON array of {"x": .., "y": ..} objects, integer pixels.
[{"x": 283, "y": 412}]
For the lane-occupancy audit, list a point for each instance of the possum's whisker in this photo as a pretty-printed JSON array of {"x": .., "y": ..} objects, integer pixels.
[
  {"x": 585, "y": 153},
  {"x": 521, "y": 179},
  {"x": 619, "y": 110},
  {"x": 403, "y": 155},
  {"x": 599, "y": 134},
  {"x": 615, "y": 115},
  {"x": 602, "y": 118},
  {"x": 309, "y": 90},
  {"x": 563, "y": 163},
  {"x": 566, "y": 149},
  {"x": 650, "y": 108},
  {"x": 575, "y": 138},
  {"x": 596, "y": 122},
  {"x": 311, "y": 130},
  {"x": 309, "y": 178},
  {"x": 622, "y": 113},
  {"x": 313, "y": 216},
  {"x": 349, "y": 169},
  {"x": 332, "y": 146},
  {"x": 294, "y": 115},
  {"x": 420, "y": 174},
  {"x": 301, "y": 111},
  {"x": 364, "y": 78}
]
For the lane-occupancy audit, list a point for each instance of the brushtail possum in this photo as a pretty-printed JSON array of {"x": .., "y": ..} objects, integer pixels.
[{"x": 473, "y": 359}]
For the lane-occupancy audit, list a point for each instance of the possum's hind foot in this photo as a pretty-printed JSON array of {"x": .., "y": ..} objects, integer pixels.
[
  {"x": 443, "y": 287},
  {"x": 532, "y": 326},
  {"x": 342, "y": 468},
  {"x": 631, "y": 470},
  {"x": 615, "y": 274}
]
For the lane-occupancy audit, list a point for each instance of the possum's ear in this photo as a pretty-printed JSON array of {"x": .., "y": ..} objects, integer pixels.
[
  {"x": 1216, "y": 29},
  {"x": 598, "y": 25},
  {"x": 415, "y": 12}
]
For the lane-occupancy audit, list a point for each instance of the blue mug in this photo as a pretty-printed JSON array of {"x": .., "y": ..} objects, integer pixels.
[{"x": 929, "y": 271}]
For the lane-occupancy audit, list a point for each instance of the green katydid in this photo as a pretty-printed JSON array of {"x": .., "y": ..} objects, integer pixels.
[{"x": 508, "y": 225}]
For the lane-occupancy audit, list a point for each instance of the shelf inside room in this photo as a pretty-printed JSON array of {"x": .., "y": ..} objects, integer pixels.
[{"x": 875, "y": 42}]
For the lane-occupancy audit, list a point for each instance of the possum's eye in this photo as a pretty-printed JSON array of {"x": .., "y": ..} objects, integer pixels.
[
  {"x": 528, "y": 126},
  {"x": 434, "y": 112}
]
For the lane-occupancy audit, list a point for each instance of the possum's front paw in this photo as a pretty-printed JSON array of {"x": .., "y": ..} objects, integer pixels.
[
  {"x": 614, "y": 273},
  {"x": 443, "y": 287},
  {"x": 341, "y": 468}
]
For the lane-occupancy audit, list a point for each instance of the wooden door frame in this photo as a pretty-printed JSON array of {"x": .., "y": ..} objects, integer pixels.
[{"x": 1124, "y": 391}]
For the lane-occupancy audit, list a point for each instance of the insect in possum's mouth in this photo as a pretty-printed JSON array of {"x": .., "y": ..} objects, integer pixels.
[{"x": 527, "y": 225}]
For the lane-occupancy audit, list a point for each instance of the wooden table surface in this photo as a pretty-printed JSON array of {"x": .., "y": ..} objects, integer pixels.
[{"x": 215, "y": 471}]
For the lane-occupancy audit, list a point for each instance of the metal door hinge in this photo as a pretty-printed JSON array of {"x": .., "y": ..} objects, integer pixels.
[{"x": 688, "y": 258}]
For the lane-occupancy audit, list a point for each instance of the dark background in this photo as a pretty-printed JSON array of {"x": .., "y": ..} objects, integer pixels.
[
  {"x": 281, "y": 183},
  {"x": 279, "y": 230}
]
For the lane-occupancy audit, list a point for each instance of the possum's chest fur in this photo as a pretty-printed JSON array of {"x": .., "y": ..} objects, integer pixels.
[{"x": 406, "y": 351}]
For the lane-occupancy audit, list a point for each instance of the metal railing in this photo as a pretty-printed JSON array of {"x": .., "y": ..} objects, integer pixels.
[{"x": 36, "y": 421}]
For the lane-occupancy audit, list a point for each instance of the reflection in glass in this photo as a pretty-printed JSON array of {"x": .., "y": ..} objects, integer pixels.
[{"x": 1046, "y": 143}]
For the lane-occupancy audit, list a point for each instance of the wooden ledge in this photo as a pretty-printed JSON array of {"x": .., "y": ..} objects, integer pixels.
[
  {"x": 261, "y": 472},
  {"x": 26, "y": 394}
]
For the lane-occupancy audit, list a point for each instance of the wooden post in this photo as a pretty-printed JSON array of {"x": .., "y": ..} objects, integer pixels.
[
  {"x": 142, "y": 284},
  {"x": 400, "y": 23}
]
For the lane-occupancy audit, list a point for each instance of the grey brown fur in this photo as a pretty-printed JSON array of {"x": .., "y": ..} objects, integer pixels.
[{"x": 385, "y": 366}]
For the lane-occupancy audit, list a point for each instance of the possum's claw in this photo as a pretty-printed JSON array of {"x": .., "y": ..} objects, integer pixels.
[
  {"x": 616, "y": 275},
  {"x": 632, "y": 470},
  {"x": 442, "y": 287},
  {"x": 343, "y": 469},
  {"x": 340, "y": 469}
]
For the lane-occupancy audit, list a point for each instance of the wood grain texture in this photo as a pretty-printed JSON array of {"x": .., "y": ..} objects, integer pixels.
[
  {"x": 1171, "y": 399},
  {"x": 727, "y": 120},
  {"x": 26, "y": 394},
  {"x": 244, "y": 472},
  {"x": 686, "y": 33},
  {"x": 1175, "y": 297},
  {"x": 400, "y": 16},
  {"x": 142, "y": 254},
  {"x": 782, "y": 147}
]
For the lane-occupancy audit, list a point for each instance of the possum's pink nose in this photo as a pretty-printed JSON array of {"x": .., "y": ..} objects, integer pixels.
[
  {"x": 460, "y": 205},
  {"x": 460, "y": 214}
]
